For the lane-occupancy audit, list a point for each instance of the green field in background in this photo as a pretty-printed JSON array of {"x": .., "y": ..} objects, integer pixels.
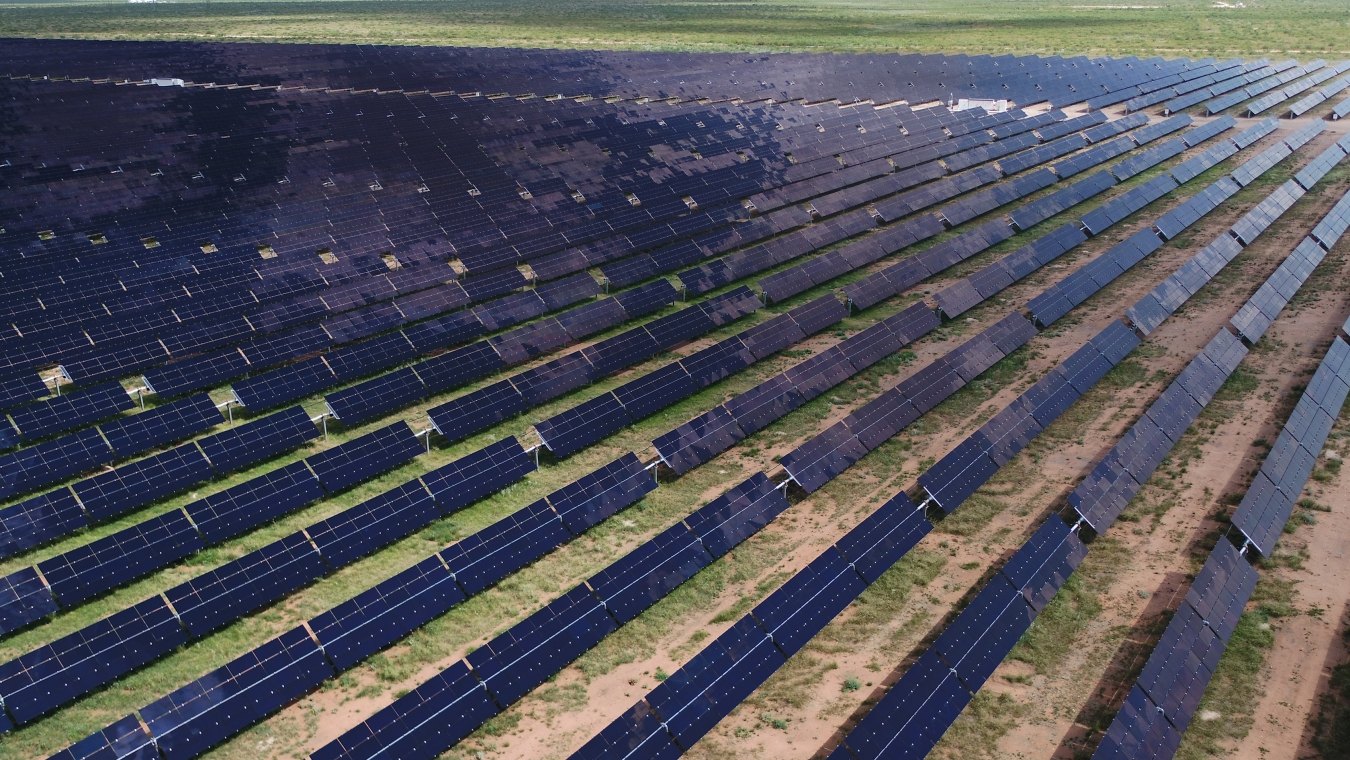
[{"x": 1305, "y": 29}]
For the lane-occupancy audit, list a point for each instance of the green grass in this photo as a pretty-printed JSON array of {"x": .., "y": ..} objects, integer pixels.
[{"x": 1306, "y": 28}]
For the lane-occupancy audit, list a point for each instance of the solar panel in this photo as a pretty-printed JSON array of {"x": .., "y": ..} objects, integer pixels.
[
  {"x": 477, "y": 475},
  {"x": 284, "y": 385},
  {"x": 115, "y": 560},
  {"x": 214, "y": 599},
  {"x": 142, "y": 482},
  {"x": 257, "y": 501},
  {"x": 173, "y": 421},
  {"x": 485, "y": 557},
  {"x": 71, "y": 410},
  {"x": 477, "y": 411},
  {"x": 225, "y": 701},
  {"x": 20, "y": 387},
  {"x": 24, "y": 598},
  {"x": 362, "y": 458},
  {"x": 373, "y": 524},
  {"x": 51, "y": 462},
  {"x": 737, "y": 513},
  {"x": 37, "y": 520},
  {"x": 390, "y": 610},
  {"x": 598, "y": 495}
]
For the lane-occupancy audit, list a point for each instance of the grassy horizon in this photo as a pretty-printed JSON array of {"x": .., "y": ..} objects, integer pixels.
[{"x": 1305, "y": 29}]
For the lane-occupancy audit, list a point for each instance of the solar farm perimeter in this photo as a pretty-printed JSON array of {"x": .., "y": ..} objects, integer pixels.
[{"x": 366, "y": 401}]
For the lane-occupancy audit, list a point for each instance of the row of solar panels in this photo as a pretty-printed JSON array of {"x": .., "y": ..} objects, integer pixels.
[
  {"x": 1228, "y": 85},
  {"x": 1315, "y": 99},
  {"x": 469, "y": 414},
  {"x": 665, "y": 724},
  {"x": 1260, "y": 87},
  {"x": 1269, "y": 101},
  {"x": 1161, "y": 705},
  {"x": 1214, "y": 74},
  {"x": 691, "y": 701},
  {"x": 121, "y": 490},
  {"x": 580, "y": 426},
  {"x": 717, "y": 430},
  {"x": 918, "y": 710},
  {"x": 76, "y": 576},
  {"x": 57, "y": 673}
]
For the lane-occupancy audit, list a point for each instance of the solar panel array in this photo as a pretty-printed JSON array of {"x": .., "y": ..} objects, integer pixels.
[
  {"x": 133, "y": 552},
  {"x": 1167, "y": 694},
  {"x": 124, "y": 489},
  {"x": 439, "y": 238},
  {"x": 51, "y": 676},
  {"x": 688, "y": 703},
  {"x": 916, "y": 711}
]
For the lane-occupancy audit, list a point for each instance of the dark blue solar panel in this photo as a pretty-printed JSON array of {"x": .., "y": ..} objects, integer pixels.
[
  {"x": 214, "y": 599},
  {"x": 222, "y": 703},
  {"x": 142, "y": 482},
  {"x": 568, "y": 432},
  {"x": 435, "y": 715},
  {"x": 459, "y": 367},
  {"x": 57, "y": 673},
  {"x": 284, "y": 385},
  {"x": 958, "y": 475},
  {"x": 736, "y": 514},
  {"x": 483, "y": 558},
  {"x": 816, "y": 315},
  {"x": 694, "y": 698},
  {"x": 359, "y": 459},
  {"x": 640, "y": 578},
  {"x": 18, "y": 388},
  {"x": 38, "y": 520},
  {"x": 373, "y": 524},
  {"x": 800, "y": 608},
  {"x": 171, "y": 422},
  {"x": 598, "y": 495},
  {"x": 239, "y": 509},
  {"x": 884, "y": 537},
  {"x": 655, "y": 390},
  {"x": 71, "y": 410},
  {"x": 535, "y": 649},
  {"x": 823, "y": 457},
  {"x": 637, "y": 733},
  {"x": 258, "y": 440},
  {"x": 51, "y": 462},
  {"x": 1221, "y": 589},
  {"x": 912, "y": 716},
  {"x": 24, "y": 598},
  {"x": 479, "y": 474},
  {"x": 698, "y": 440},
  {"x": 475, "y": 412},
  {"x": 376, "y": 397},
  {"x": 877, "y": 421},
  {"x": 100, "y": 566},
  {"x": 384, "y": 614},
  {"x": 123, "y": 740}
]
